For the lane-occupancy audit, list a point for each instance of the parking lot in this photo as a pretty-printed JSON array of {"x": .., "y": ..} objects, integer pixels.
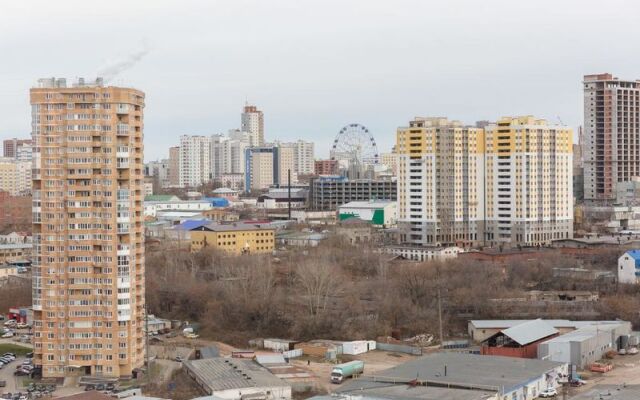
[{"x": 13, "y": 382}]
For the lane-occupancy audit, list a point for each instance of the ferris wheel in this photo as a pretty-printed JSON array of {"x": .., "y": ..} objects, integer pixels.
[{"x": 355, "y": 144}]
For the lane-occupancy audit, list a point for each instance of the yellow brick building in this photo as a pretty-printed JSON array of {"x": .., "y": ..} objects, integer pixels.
[{"x": 237, "y": 238}]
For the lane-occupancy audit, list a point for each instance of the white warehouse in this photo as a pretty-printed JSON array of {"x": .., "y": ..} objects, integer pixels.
[{"x": 629, "y": 267}]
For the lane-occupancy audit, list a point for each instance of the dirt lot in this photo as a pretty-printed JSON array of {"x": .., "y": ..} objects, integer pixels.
[
  {"x": 374, "y": 361},
  {"x": 626, "y": 370}
]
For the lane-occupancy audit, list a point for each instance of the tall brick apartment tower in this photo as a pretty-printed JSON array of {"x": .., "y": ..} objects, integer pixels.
[
  {"x": 88, "y": 267},
  {"x": 611, "y": 146}
]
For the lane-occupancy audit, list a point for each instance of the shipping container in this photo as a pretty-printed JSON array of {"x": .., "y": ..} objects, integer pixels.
[{"x": 356, "y": 347}]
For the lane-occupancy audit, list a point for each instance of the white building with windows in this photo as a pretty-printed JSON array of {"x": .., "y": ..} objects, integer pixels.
[{"x": 194, "y": 160}]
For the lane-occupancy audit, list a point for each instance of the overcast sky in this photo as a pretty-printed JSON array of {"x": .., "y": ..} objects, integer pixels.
[{"x": 314, "y": 66}]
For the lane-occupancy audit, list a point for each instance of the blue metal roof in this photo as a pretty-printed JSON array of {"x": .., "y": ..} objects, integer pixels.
[
  {"x": 635, "y": 254},
  {"x": 217, "y": 201},
  {"x": 192, "y": 224}
]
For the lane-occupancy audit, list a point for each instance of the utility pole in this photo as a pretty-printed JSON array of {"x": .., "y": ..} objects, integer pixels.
[
  {"x": 146, "y": 345},
  {"x": 440, "y": 314},
  {"x": 289, "y": 192}
]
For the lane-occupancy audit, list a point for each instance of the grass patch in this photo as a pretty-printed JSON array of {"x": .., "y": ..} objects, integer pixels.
[{"x": 14, "y": 348}]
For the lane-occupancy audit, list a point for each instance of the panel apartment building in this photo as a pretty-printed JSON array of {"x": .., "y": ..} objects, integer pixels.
[
  {"x": 529, "y": 181},
  {"x": 510, "y": 183},
  {"x": 611, "y": 144},
  {"x": 88, "y": 266},
  {"x": 440, "y": 182}
]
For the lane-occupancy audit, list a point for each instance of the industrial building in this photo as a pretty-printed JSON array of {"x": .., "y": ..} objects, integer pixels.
[
  {"x": 585, "y": 345},
  {"x": 460, "y": 376},
  {"x": 235, "y": 238},
  {"x": 519, "y": 341},
  {"x": 422, "y": 253},
  {"x": 326, "y": 193},
  {"x": 235, "y": 379},
  {"x": 481, "y": 330},
  {"x": 377, "y": 212}
]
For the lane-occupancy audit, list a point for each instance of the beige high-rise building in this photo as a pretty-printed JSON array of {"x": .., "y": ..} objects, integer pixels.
[
  {"x": 611, "y": 149},
  {"x": 529, "y": 181},
  {"x": 252, "y": 122},
  {"x": 174, "y": 166},
  {"x": 440, "y": 176},
  {"x": 88, "y": 238},
  {"x": 15, "y": 176}
]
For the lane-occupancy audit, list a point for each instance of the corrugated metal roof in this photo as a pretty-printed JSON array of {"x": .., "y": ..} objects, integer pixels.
[
  {"x": 192, "y": 224},
  {"x": 508, "y": 323},
  {"x": 263, "y": 359},
  {"x": 220, "y": 374},
  {"x": 635, "y": 254},
  {"x": 529, "y": 332}
]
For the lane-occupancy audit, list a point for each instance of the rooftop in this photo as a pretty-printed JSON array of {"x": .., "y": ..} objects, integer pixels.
[
  {"x": 230, "y": 373},
  {"x": 498, "y": 373},
  {"x": 238, "y": 226},
  {"x": 530, "y": 331},
  {"x": 161, "y": 197},
  {"x": 91, "y": 395},
  {"x": 584, "y": 333},
  {"x": 367, "y": 204},
  {"x": 556, "y": 323},
  {"x": 16, "y": 246}
]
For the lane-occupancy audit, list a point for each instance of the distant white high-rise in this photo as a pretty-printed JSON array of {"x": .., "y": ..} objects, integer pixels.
[
  {"x": 195, "y": 163},
  {"x": 252, "y": 121},
  {"x": 227, "y": 153}
]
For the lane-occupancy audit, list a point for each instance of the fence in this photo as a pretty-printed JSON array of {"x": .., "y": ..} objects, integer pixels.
[{"x": 399, "y": 348}]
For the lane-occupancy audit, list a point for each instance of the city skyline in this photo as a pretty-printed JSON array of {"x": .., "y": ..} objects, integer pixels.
[{"x": 364, "y": 69}]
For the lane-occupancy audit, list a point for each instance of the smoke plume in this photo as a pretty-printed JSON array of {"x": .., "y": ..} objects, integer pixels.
[{"x": 117, "y": 66}]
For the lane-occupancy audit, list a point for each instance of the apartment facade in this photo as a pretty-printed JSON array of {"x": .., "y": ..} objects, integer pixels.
[
  {"x": 262, "y": 167},
  {"x": 174, "y": 166},
  {"x": 15, "y": 176},
  {"x": 611, "y": 130},
  {"x": 529, "y": 181},
  {"x": 252, "y": 121},
  {"x": 227, "y": 153},
  {"x": 326, "y": 193},
  {"x": 195, "y": 160},
  {"x": 440, "y": 183},
  {"x": 326, "y": 167},
  {"x": 11, "y": 147},
  {"x": 88, "y": 238}
]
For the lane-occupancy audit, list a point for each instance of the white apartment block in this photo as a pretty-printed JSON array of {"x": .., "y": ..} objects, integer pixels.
[
  {"x": 440, "y": 176},
  {"x": 529, "y": 181},
  {"x": 227, "y": 153},
  {"x": 194, "y": 160},
  {"x": 510, "y": 183},
  {"x": 15, "y": 176}
]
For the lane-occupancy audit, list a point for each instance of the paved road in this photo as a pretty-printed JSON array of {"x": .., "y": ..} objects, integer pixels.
[{"x": 6, "y": 374}]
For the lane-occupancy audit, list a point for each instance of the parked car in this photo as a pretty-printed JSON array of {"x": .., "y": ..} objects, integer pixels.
[
  {"x": 577, "y": 382},
  {"x": 10, "y": 322},
  {"x": 7, "y": 334},
  {"x": 549, "y": 392},
  {"x": 22, "y": 325},
  {"x": 178, "y": 359},
  {"x": 9, "y": 354},
  {"x": 29, "y": 354},
  {"x": 632, "y": 351}
]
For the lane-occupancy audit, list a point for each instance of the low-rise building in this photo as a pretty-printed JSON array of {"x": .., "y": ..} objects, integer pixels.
[
  {"x": 235, "y": 238},
  {"x": 585, "y": 345},
  {"x": 379, "y": 213},
  {"x": 14, "y": 252},
  {"x": 151, "y": 208},
  {"x": 423, "y": 253},
  {"x": 355, "y": 231},
  {"x": 451, "y": 375},
  {"x": 7, "y": 270},
  {"x": 236, "y": 379},
  {"x": 302, "y": 239},
  {"x": 519, "y": 341},
  {"x": 282, "y": 197},
  {"x": 629, "y": 267}
]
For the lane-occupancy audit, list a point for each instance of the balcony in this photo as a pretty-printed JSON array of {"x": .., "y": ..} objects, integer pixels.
[
  {"x": 122, "y": 109},
  {"x": 122, "y": 129}
]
